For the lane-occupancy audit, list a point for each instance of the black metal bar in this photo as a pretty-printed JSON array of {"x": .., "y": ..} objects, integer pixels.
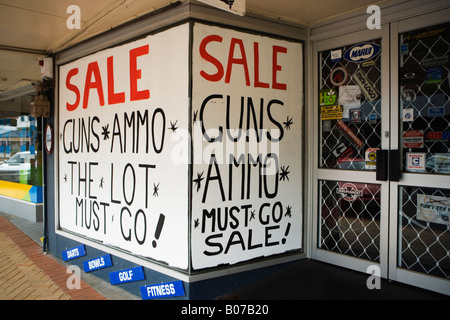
[
  {"x": 394, "y": 165},
  {"x": 382, "y": 165}
]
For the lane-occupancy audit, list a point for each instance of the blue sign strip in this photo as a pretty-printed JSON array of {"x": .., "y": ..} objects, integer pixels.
[
  {"x": 127, "y": 275},
  {"x": 97, "y": 263},
  {"x": 73, "y": 253},
  {"x": 162, "y": 290}
]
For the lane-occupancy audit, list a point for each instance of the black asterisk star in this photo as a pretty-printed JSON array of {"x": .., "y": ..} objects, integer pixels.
[
  {"x": 288, "y": 211},
  {"x": 198, "y": 180},
  {"x": 155, "y": 190},
  {"x": 105, "y": 132},
  {"x": 102, "y": 181},
  {"x": 173, "y": 126},
  {"x": 284, "y": 173},
  {"x": 288, "y": 123},
  {"x": 195, "y": 116}
]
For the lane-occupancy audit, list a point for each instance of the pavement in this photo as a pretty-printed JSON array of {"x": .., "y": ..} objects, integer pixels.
[{"x": 27, "y": 273}]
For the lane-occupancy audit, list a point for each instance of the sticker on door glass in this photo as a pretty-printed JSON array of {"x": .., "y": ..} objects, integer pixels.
[
  {"x": 412, "y": 139},
  {"x": 433, "y": 74},
  {"x": 408, "y": 115},
  {"x": 349, "y": 98},
  {"x": 327, "y": 97},
  {"x": 338, "y": 76},
  {"x": 362, "y": 52},
  {"x": 356, "y": 115},
  {"x": 330, "y": 112},
  {"x": 371, "y": 158},
  {"x": 349, "y": 191},
  {"x": 436, "y": 111},
  {"x": 440, "y": 162},
  {"x": 336, "y": 55},
  {"x": 366, "y": 86},
  {"x": 349, "y": 133},
  {"x": 433, "y": 209},
  {"x": 416, "y": 161}
]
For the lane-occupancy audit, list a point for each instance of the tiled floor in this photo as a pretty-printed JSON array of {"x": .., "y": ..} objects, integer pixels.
[{"x": 26, "y": 273}]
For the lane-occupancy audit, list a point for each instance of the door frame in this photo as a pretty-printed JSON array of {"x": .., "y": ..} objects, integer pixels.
[
  {"x": 410, "y": 179},
  {"x": 416, "y": 18},
  {"x": 343, "y": 175}
]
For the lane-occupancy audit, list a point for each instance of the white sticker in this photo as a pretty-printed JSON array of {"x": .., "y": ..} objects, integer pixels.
[
  {"x": 441, "y": 163},
  {"x": 349, "y": 98},
  {"x": 408, "y": 115},
  {"x": 336, "y": 55},
  {"x": 416, "y": 161}
]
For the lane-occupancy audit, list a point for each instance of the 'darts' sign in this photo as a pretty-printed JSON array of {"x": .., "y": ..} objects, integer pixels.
[
  {"x": 120, "y": 113},
  {"x": 246, "y": 128}
]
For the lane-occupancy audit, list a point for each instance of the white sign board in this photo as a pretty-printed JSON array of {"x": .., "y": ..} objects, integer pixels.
[
  {"x": 416, "y": 161},
  {"x": 433, "y": 209},
  {"x": 247, "y": 117},
  {"x": 121, "y": 112}
]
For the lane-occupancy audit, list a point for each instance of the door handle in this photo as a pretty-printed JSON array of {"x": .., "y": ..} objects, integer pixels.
[
  {"x": 394, "y": 165},
  {"x": 388, "y": 165},
  {"x": 382, "y": 165}
]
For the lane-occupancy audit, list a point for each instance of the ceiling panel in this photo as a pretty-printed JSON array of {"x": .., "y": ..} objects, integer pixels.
[
  {"x": 40, "y": 26},
  {"x": 306, "y": 12}
]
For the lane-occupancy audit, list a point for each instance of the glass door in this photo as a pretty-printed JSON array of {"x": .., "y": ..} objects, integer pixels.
[
  {"x": 381, "y": 184},
  {"x": 421, "y": 253},
  {"x": 353, "y": 118}
]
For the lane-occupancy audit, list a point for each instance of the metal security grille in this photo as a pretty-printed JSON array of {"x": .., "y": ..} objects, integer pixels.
[
  {"x": 424, "y": 227},
  {"x": 424, "y": 230},
  {"x": 361, "y": 115},
  {"x": 425, "y": 99},
  {"x": 350, "y": 219}
]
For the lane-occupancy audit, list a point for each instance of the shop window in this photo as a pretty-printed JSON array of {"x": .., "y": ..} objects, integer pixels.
[{"x": 21, "y": 157}]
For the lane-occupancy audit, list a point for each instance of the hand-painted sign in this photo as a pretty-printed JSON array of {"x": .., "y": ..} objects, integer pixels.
[
  {"x": 246, "y": 123},
  {"x": 124, "y": 146},
  {"x": 97, "y": 263},
  {"x": 162, "y": 290},
  {"x": 127, "y": 275},
  {"x": 122, "y": 113},
  {"x": 74, "y": 253}
]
